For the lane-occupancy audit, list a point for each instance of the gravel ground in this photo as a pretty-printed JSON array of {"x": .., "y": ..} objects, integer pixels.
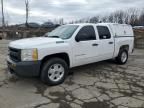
[{"x": 99, "y": 85}]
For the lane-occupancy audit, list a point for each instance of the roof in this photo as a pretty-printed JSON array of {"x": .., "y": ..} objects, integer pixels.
[{"x": 81, "y": 24}]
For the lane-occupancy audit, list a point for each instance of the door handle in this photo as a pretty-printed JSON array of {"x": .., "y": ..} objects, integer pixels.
[
  {"x": 95, "y": 44},
  {"x": 110, "y": 42}
]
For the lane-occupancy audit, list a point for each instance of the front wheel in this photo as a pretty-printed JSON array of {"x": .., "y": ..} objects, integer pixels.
[
  {"x": 54, "y": 71},
  {"x": 122, "y": 57}
]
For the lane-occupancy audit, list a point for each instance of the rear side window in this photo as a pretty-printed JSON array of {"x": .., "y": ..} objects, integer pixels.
[
  {"x": 103, "y": 32},
  {"x": 86, "y": 33}
]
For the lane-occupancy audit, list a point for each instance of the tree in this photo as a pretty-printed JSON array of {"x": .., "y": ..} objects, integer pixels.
[
  {"x": 104, "y": 19},
  {"x": 117, "y": 17},
  {"x": 141, "y": 18},
  {"x": 27, "y": 12},
  {"x": 133, "y": 16},
  {"x": 61, "y": 21},
  {"x": 126, "y": 17},
  {"x": 94, "y": 19}
]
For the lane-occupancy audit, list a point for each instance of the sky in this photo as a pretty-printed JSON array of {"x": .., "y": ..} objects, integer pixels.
[{"x": 44, "y": 10}]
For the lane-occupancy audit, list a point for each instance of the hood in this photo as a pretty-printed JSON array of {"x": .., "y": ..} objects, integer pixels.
[{"x": 32, "y": 42}]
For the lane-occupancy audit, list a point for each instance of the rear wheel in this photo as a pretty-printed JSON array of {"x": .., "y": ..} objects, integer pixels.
[
  {"x": 54, "y": 71},
  {"x": 122, "y": 57}
]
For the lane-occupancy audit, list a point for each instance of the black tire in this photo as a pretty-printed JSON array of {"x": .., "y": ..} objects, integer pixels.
[
  {"x": 119, "y": 57},
  {"x": 44, "y": 73}
]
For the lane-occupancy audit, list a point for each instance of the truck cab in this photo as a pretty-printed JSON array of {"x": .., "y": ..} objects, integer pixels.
[{"x": 71, "y": 45}]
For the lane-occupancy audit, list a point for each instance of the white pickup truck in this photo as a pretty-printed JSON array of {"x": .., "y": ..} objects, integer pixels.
[{"x": 51, "y": 56}]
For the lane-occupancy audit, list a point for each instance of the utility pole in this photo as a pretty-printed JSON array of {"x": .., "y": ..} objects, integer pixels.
[
  {"x": 27, "y": 12},
  {"x": 3, "y": 19}
]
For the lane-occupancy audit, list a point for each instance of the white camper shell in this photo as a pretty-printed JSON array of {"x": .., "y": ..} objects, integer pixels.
[{"x": 120, "y": 30}]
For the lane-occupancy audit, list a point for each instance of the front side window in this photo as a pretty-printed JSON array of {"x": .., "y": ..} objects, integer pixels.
[
  {"x": 64, "y": 32},
  {"x": 86, "y": 33},
  {"x": 103, "y": 32}
]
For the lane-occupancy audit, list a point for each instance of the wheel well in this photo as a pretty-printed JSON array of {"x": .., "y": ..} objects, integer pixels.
[
  {"x": 125, "y": 47},
  {"x": 63, "y": 56}
]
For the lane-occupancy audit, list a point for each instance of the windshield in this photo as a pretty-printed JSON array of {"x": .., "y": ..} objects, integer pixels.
[{"x": 64, "y": 32}]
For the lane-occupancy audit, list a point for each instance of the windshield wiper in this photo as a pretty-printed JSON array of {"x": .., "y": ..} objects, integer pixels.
[{"x": 54, "y": 36}]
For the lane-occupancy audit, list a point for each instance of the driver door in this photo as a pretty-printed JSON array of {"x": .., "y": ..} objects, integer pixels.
[{"x": 85, "y": 46}]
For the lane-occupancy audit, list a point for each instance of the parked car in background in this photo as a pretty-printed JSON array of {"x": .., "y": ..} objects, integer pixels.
[
  {"x": 21, "y": 25},
  {"x": 47, "y": 25},
  {"x": 68, "y": 46},
  {"x": 57, "y": 25},
  {"x": 31, "y": 25}
]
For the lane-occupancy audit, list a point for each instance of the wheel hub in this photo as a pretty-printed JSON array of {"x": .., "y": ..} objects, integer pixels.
[
  {"x": 56, "y": 72},
  {"x": 124, "y": 57}
]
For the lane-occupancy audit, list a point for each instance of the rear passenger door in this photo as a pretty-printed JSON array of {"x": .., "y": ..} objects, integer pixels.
[{"x": 106, "y": 42}]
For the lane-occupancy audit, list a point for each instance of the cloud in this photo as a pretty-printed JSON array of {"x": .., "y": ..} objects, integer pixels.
[{"x": 42, "y": 10}]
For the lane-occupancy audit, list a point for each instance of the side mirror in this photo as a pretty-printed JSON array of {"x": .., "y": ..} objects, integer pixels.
[
  {"x": 81, "y": 37},
  {"x": 77, "y": 39}
]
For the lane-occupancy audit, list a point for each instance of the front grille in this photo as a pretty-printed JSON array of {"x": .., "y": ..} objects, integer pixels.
[{"x": 15, "y": 54}]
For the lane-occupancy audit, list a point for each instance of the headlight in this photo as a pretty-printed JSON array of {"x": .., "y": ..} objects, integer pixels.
[{"x": 29, "y": 55}]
